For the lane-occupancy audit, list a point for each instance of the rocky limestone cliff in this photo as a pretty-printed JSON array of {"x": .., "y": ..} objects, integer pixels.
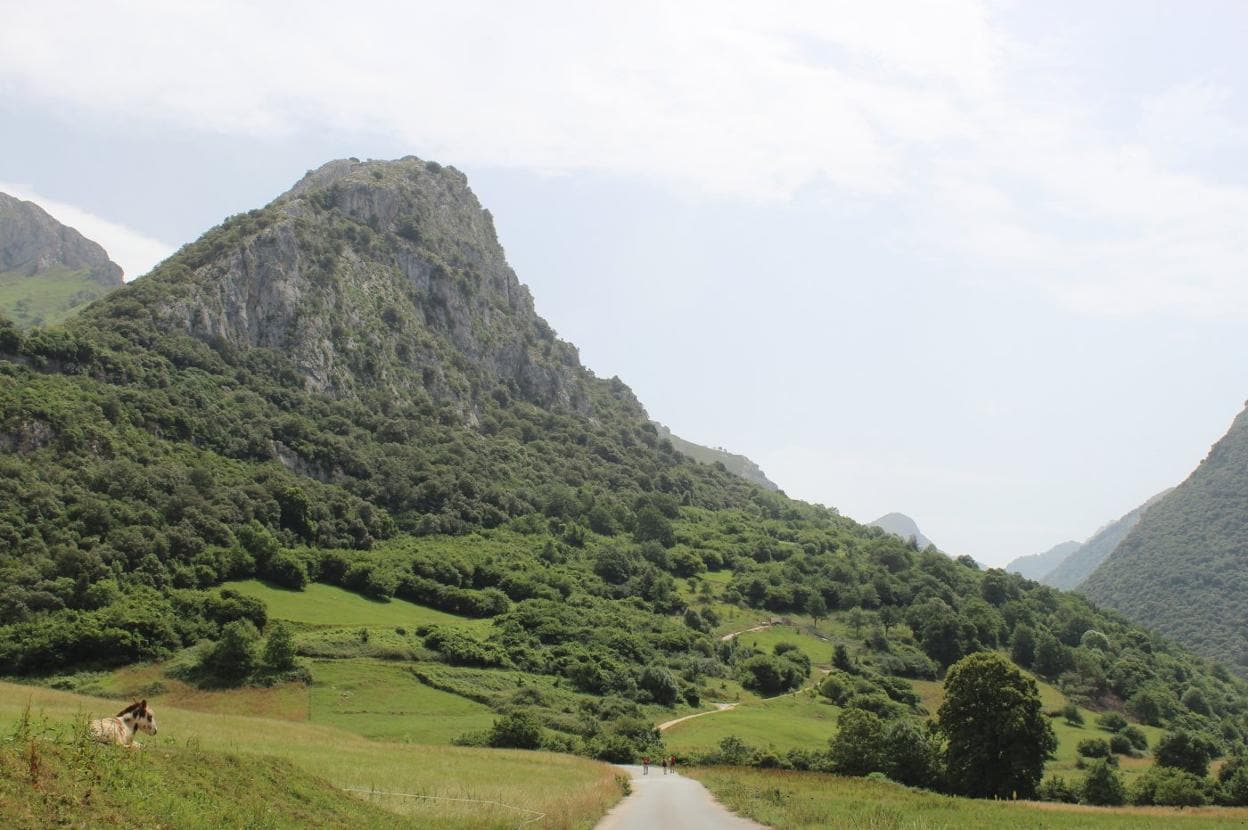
[
  {"x": 31, "y": 241},
  {"x": 376, "y": 276}
]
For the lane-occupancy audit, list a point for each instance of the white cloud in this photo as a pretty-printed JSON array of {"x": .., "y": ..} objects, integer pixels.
[
  {"x": 133, "y": 251},
  {"x": 730, "y": 98},
  {"x": 931, "y": 106}
]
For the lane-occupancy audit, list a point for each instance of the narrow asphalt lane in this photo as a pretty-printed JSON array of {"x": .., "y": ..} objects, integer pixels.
[{"x": 670, "y": 802}]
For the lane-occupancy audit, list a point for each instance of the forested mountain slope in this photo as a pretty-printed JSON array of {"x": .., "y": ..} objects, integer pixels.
[
  {"x": 1183, "y": 568},
  {"x": 733, "y": 462},
  {"x": 1038, "y": 565},
  {"x": 47, "y": 270},
  {"x": 1080, "y": 564},
  {"x": 350, "y": 386}
]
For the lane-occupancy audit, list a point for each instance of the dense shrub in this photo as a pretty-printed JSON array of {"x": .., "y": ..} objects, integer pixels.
[
  {"x": 1094, "y": 748},
  {"x": 1184, "y": 750},
  {"x": 1056, "y": 788},
  {"x": 516, "y": 731},
  {"x": 1111, "y": 722},
  {"x": 1102, "y": 786},
  {"x": 1169, "y": 787},
  {"x": 235, "y": 656}
]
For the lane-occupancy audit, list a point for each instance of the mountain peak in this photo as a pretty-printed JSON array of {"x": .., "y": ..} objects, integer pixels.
[
  {"x": 368, "y": 276},
  {"x": 899, "y": 524},
  {"x": 31, "y": 241},
  {"x": 47, "y": 270}
]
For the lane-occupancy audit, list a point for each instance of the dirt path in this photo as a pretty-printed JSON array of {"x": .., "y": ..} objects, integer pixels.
[
  {"x": 670, "y": 802},
  {"x": 719, "y": 707},
  {"x": 732, "y": 634}
]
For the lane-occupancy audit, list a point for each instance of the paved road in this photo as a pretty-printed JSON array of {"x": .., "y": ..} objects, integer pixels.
[{"x": 670, "y": 802}]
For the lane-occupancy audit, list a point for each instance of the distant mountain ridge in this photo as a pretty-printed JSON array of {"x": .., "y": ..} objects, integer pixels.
[
  {"x": 47, "y": 270},
  {"x": 1066, "y": 565},
  {"x": 899, "y": 524},
  {"x": 1038, "y": 565},
  {"x": 734, "y": 463},
  {"x": 1183, "y": 568},
  {"x": 1080, "y": 564}
]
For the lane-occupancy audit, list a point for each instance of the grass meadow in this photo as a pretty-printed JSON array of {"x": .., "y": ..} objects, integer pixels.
[
  {"x": 801, "y": 721},
  {"x": 328, "y": 605},
  {"x": 786, "y": 800},
  {"x": 47, "y": 298},
  {"x": 572, "y": 792},
  {"x": 385, "y": 701}
]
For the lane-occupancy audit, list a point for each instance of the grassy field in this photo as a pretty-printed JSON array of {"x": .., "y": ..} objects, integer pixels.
[
  {"x": 572, "y": 792},
  {"x": 790, "y": 722},
  {"x": 49, "y": 783},
  {"x": 48, "y": 297},
  {"x": 816, "y": 648},
  {"x": 809, "y": 801},
  {"x": 288, "y": 701},
  {"x": 328, "y": 605},
  {"x": 385, "y": 701}
]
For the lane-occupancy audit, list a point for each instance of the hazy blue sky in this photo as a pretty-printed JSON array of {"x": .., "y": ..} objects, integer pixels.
[{"x": 981, "y": 263}]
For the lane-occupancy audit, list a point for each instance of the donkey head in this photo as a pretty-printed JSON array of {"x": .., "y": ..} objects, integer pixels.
[{"x": 141, "y": 716}]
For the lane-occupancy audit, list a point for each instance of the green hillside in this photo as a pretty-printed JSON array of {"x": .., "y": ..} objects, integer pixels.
[
  {"x": 232, "y": 770},
  {"x": 1081, "y": 563},
  {"x": 330, "y": 450},
  {"x": 47, "y": 270},
  {"x": 47, "y": 297},
  {"x": 734, "y": 463},
  {"x": 1182, "y": 567},
  {"x": 789, "y": 800}
]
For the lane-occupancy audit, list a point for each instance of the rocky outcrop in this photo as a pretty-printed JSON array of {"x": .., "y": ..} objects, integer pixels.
[
  {"x": 366, "y": 276},
  {"x": 31, "y": 241}
]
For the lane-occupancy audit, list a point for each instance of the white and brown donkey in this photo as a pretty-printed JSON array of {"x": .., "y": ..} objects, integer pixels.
[{"x": 121, "y": 729}]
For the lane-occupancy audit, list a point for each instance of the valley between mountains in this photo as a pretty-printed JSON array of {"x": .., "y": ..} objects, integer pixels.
[{"x": 328, "y": 493}]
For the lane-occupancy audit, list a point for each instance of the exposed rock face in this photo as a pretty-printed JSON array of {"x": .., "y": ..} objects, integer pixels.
[
  {"x": 31, "y": 241},
  {"x": 378, "y": 275}
]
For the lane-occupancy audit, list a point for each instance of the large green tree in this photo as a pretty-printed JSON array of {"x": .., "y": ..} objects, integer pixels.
[
  {"x": 857, "y": 747},
  {"x": 997, "y": 736}
]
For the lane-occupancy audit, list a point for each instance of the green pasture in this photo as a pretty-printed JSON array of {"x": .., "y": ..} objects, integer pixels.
[
  {"x": 329, "y": 605},
  {"x": 385, "y": 701},
  {"x": 818, "y": 649},
  {"x": 801, "y": 721},
  {"x": 786, "y": 800},
  {"x": 47, "y": 298},
  {"x": 572, "y": 791}
]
